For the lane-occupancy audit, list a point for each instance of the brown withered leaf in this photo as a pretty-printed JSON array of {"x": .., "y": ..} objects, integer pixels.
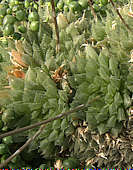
[
  {"x": 17, "y": 73},
  {"x": 58, "y": 164},
  {"x": 130, "y": 14},
  {"x": 59, "y": 74},
  {"x": 16, "y": 59}
]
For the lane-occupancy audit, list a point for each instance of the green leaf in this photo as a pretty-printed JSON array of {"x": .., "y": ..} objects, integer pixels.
[
  {"x": 44, "y": 29},
  {"x": 70, "y": 130},
  {"x": 44, "y": 143},
  {"x": 32, "y": 85},
  {"x": 39, "y": 96},
  {"x": 29, "y": 95},
  {"x": 53, "y": 136},
  {"x": 48, "y": 83},
  {"x": 22, "y": 121},
  {"x": 115, "y": 82},
  {"x": 118, "y": 99},
  {"x": 83, "y": 88},
  {"x": 111, "y": 121},
  {"x": 35, "y": 114},
  {"x": 127, "y": 100},
  {"x": 49, "y": 150},
  {"x": 71, "y": 163},
  {"x": 100, "y": 117},
  {"x": 68, "y": 44},
  {"x": 37, "y": 54},
  {"x": 31, "y": 75},
  {"x": 130, "y": 87},
  {"x": 20, "y": 107},
  {"x": 73, "y": 67},
  {"x": 51, "y": 92},
  {"x": 130, "y": 78},
  {"x": 31, "y": 36},
  {"x": 56, "y": 124},
  {"x": 78, "y": 40},
  {"x": 91, "y": 53},
  {"x": 60, "y": 140},
  {"x": 121, "y": 114},
  {"x": 117, "y": 129},
  {"x": 29, "y": 60},
  {"x": 8, "y": 115},
  {"x": 109, "y": 98},
  {"x": 103, "y": 59},
  {"x": 113, "y": 66},
  {"x": 72, "y": 30},
  {"x": 98, "y": 104},
  {"x": 27, "y": 47},
  {"x": 91, "y": 66},
  {"x": 98, "y": 31},
  {"x": 41, "y": 76},
  {"x": 90, "y": 118},
  {"x": 45, "y": 108},
  {"x": 103, "y": 115},
  {"x": 17, "y": 84},
  {"x": 111, "y": 90},
  {"x": 16, "y": 95},
  {"x": 104, "y": 86},
  {"x": 63, "y": 95},
  {"x": 112, "y": 109},
  {"x": 80, "y": 97},
  {"x": 64, "y": 124},
  {"x": 104, "y": 73},
  {"x": 46, "y": 131},
  {"x": 97, "y": 82},
  {"x": 93, "y": 88},
  {"x": 102, "y": 128},
  {"x": 61, "y": 105},
  {"x": 35, "y": 106},
  {"x": 80, "y": 63}
]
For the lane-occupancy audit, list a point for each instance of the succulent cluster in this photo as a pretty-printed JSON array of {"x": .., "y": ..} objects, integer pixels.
[
  {"x": 80, "y": 5},
  {"x": 15, "y": 15},
  {"x": 92, "y": 61}
]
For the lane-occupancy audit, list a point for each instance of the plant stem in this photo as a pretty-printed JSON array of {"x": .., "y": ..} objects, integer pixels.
[
  {"x": 92, "y": 10},
  {"x": 22, "y": 147},
  {"x": 122, "y": 19},
  {"x": 47, "y": 121},
  {"x": 56, "y": 26},
  {"x": 40, "y": 130}
]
